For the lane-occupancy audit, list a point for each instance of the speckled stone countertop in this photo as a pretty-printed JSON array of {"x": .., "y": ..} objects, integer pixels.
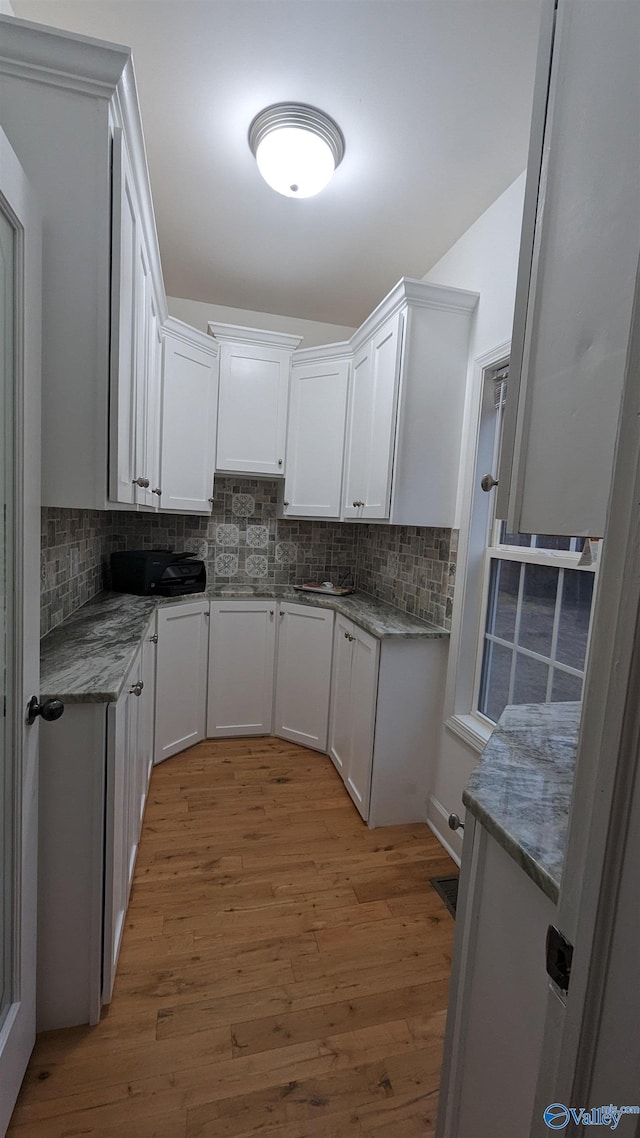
[
  {"x": 86, "y": 658},
  {"x": 521, "y": 790}
]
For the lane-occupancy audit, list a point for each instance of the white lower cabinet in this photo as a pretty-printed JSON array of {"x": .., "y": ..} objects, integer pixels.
[
  {"x": 303, "y": 677},
  {"x": 498, "y": 998},
  {"x": 241, "y": 667},
  {"x": 181, "y": 681},
  {"x": 353, "y": 710},
  {"x": 94, "y": 771},
  {"x": 386, "y": 711}
]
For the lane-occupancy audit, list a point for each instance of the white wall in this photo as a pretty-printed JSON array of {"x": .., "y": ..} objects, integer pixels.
[
  {"x": 484, "y": 259},
  {"x": 198, "y": 313}
]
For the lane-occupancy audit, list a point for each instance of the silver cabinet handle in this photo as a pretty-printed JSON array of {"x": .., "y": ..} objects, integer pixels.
[
  {"x": 357, "y": 503},
  {"x": 285, "y": 503},
  {"x": 137, "y": 688},
  {"x": 455, "y": 823},
  {"x": 153, "y": 639},
  {"x": 272, "y": 612},
  {"x": 279, "y": 462},
  {"x": 142, "y": 482},
  {"x": 210, "y": 501},
  {"x": 157, "y": 491},
  {"x": 282, "y": 614},
  {"x": 346, "y": 635}
]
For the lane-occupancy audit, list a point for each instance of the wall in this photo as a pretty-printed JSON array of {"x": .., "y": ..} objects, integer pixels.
[
  {"x": 244, "y": 543},
  {"x": 484, "y": 259},
  {"x": 313, "y": 332}
]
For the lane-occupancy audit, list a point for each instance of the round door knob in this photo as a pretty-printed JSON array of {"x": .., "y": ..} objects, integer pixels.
[
  {"x": 142, "y": 482},
  {"x": 50, "y": 711},
  {"x": 455, "y": 823},
  {"x": 157, "y": 491},
  {"x": 137, "y": 688},
  {"x": 487, "y": 482}
]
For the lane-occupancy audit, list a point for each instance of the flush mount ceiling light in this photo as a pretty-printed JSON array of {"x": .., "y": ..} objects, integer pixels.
[{"x": 297, "y": 148}]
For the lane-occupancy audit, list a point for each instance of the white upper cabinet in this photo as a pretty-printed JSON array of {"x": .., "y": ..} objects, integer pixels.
[
  {"x": 406, "y": 406},
  {"x": 70, "y": 110},
  {"x": 255, "y": 368},
  {"x": 316, "y": 431},
  {"x": 371, "y": 430},
  {"x": 578, "y": 261},
  {"x": 189, "y": 401}
]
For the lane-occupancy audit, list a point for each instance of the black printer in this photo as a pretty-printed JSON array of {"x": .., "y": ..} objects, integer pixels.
[{"x": 149, "y": 571}]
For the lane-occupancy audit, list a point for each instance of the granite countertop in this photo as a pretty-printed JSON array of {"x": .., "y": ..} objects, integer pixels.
[
  {"x": 521, "y": 791},
  {"x": 86, "y": 658}
]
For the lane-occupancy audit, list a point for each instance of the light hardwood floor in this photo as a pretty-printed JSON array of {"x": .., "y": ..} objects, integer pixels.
[{"x": 283, "y": 972}]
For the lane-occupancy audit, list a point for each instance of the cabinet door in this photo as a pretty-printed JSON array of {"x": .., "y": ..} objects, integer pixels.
[
  {"x": 303, "y": 681},
  {"x": 146, "y": 725},
  {"x": 241, "y": 664},
  {"x": 576, "y": 275},
  {"x": 152, "y": 405},
  {"x": 252, "y": 408},
  {"x": 340, "y": 735},
  {"x": 124, "y": 316},
  {"x": 189, "y": 397},
  {"x": 372, "y": 423},
  {"x": 315, "y": 438},
  {"x": 181, "y": 677},
  {"x": 363, "y": 697}
]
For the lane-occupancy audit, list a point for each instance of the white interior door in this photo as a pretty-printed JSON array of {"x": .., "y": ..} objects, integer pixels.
[{"x": 20, "y": 294}]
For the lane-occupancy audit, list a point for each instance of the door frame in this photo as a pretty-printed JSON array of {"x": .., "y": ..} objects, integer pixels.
[
  {"x": 18, "y": 203},
  {"x": 602, "y": 842}
]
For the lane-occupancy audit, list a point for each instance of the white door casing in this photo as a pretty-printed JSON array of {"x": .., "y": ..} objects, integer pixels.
[{"x": 17, "y": 1025}]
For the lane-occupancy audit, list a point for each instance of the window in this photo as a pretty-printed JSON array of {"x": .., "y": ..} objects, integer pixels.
[{"x": 537, "y": 605}]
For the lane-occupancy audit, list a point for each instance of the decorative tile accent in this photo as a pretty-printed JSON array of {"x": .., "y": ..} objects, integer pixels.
[
  {"x": 227, "y": 534},
  {"x": 198, "y": 546},
  {"x": 257, "y": 537},
  {"x": 286, "y": 553},
  {"x": 226, "y": 564},
  {"x": 256, "y": 565},
  {"x": 243, "y": 506}
]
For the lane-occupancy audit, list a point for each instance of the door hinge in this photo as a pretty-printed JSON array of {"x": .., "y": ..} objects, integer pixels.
[{"x": 559, "y": 958}]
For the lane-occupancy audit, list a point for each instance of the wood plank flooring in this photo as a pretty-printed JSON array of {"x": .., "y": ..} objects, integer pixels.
[{"x": 283, "y": 972}]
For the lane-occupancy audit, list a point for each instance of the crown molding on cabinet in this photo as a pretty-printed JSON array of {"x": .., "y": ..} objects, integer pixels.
[
  {"x": 340, "y": 351},
  {"x": 419, "y": 294},
  {"x": 189, "y": 335},
  {"x": 240, "y": 335},
  {"x": 96, "y": 69}
]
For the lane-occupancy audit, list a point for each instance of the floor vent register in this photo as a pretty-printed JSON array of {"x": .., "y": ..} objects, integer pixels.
[{"x": 447, "y": 890}]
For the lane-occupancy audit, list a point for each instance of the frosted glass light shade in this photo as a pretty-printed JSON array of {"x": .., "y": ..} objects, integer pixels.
[{"x": 296, "y": 147}]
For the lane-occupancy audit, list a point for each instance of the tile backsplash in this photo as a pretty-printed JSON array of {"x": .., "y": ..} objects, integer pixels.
[{"x": 244, "y": 543}]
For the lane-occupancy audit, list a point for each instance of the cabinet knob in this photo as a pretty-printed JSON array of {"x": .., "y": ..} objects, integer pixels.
[
  {"x": 157, "y": 491},
  {"x": 271, "y": 612},
  {"x": 153, "y": 639},
  {"x": 487, "y": 482},
  {"x": 455, "y": 823},
  {"x": 285, "y": 503},
  {"x": 210, "y": 501},
  {"x": 279, "y": 462},
  {"x": 281, "y": 614},
  {"x": 357, "y": 503},
  {"x": 137, "y": 688},
  {"x": 50, "y": 711},
  {"x": 142, "y": 482}
]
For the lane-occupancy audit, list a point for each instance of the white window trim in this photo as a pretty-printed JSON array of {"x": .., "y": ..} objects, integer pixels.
[{"x": 473, "y": 729}]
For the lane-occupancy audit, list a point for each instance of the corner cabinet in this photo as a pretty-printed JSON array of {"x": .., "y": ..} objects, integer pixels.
[
  {"x": 303, "y": 675},
  {"x": 242, "y": 639},
  {"x": 189, "y": 409},
  {"x": 578, "y": 263},
  {"x": 255, "y": 367},
  {"x": 181, "y": 679}
]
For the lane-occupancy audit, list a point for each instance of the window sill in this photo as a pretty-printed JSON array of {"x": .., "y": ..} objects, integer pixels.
[{"x": 471, "y": 729}]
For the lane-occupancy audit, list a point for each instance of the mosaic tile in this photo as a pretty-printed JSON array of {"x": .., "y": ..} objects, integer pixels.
[
  {"x": 243, "y": 505},
  {"x": 226, "y": 564},
  {"x": 256, "y": 565},
  {"x": 227, "y": 534},
  {"x": 286, "y": 552},
  {"x": 257, "y": 537}
]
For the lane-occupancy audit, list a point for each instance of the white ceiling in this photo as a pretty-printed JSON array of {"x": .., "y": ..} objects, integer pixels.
[{"x": 433, "y": 98}]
